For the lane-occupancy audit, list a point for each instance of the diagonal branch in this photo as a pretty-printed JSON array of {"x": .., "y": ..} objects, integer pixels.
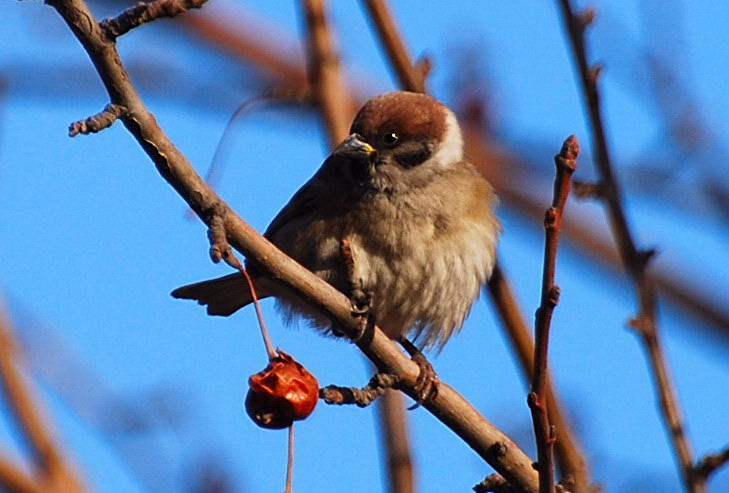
[
  {"x": 14, "y": 480},
  {"x": 448, "y": 406},
  {"x": 710, "y": 463},
  {"x": 411, "y": 77},
  {"x": 328, "y": 88},
  {"x": 47, "y": 456},
  {"x": 634, "y": 260}
]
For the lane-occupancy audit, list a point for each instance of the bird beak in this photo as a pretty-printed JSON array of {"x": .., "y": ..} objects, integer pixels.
[{"x": 353, "y": 147}]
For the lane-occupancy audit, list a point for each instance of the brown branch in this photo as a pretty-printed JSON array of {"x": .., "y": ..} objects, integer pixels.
[
  {"x": 411, "y": 77},
  {"x": 397, "y": 443},
  {"x": 635, "y": 261},
  {"x": 97, "y": 122},
  {"x": 572, "y": 463},
  {"x": 448, "y": 406},
  {"x": 710, "y": 463},
  {"x": 327, "y": 86},
  {"x": 493, "y": 483},
  {"x": 14, "y": 480},
  {"x": 566, "y": 163},
  {"x": 378, "y": 384},
  {"x": 47, "y": 456},
  {"x": 143, "y": 12},
  {"x": 325, "y": 77}
]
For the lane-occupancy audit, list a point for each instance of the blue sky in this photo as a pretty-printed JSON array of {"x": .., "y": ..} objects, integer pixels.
[{"x": 93, "y": 241}]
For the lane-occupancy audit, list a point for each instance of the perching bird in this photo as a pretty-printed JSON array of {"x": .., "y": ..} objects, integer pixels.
[{"x": 419, "y": 218}]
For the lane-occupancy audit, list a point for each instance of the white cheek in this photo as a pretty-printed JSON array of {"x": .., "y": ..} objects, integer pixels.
[{"x": 451, "y": 150}]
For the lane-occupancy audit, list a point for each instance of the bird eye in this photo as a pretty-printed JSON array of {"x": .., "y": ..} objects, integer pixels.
[{"x": 390, "y": 139}]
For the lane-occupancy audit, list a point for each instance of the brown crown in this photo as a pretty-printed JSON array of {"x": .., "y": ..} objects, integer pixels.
[{"x": 405, "y": 113}]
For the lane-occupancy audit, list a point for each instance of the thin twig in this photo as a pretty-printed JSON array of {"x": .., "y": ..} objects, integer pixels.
[
  {"x": 634, "y": 260},
  {"x": 143, "y": 12},
  {"x": 448, "y": 406},
  {"x": 290, "y": 462},
  {"x": 220, "y": 249},
  {"x": 710, "y": 463},
  {"x": 377, "y": 386},
  {"x": 97, "y": 122},
  {"x": 272, "y": 354},
  {"x": 566, "y": 162}
]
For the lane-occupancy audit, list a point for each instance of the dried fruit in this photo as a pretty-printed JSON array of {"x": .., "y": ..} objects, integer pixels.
[{"x": 282, "y": 393}]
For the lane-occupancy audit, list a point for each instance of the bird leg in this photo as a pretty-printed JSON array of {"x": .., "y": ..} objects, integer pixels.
[
  {"x": 360, "y": 298},
  {"x": 426, "y": 385}
]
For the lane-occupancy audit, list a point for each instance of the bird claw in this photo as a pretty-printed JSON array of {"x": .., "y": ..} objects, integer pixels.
[
  {"x": 361, "y": 305},
  {"x": 426, "y": 385}
]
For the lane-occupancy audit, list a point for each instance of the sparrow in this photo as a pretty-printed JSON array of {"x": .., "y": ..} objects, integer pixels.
[{"x": 419, "y": 220}]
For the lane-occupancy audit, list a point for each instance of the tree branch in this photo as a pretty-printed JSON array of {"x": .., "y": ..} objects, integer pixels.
[
  {"x": 634, "y": 260},
  {"x": 143, "y": 12},
  {"x": 47, "y": 456},
  {"x": 328, "y": 88},
  {"x": 14, "y": 480},
  {"x": 325, "y": 78},
  {"x": 566, "y": 163},
  {"x": 448, "y": 406},
  {"x": 411, "y": 77},
  {"x": 710, "y": 463}
]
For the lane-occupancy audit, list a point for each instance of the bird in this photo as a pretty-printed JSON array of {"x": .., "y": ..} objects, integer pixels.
[{"x": 418, "y": 218}]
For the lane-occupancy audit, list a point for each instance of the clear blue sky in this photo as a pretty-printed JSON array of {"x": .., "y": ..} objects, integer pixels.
[{"x": 93, "y": 240}]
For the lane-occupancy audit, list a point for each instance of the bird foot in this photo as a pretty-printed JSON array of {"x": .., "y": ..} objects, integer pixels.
[{"x": 426, "y": 385}]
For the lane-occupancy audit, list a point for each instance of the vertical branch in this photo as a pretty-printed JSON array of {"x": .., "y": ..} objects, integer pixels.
[
  {"x": 325, "y": 76},
  {"x": 572, "y": 462},
  {"x": 394, "y": 425},
  {"x": 327, "y": 86},
  {"x": 47, "y": 456},
  {"x": 566, "y": 163},
  {"x": 634, "y": 260}
]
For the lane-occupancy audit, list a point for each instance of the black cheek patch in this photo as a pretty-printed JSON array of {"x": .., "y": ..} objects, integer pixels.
[{"x": 413, "y": 152}]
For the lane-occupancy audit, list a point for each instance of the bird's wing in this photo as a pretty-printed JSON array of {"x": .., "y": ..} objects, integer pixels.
[{"x": 321, "y": 189}]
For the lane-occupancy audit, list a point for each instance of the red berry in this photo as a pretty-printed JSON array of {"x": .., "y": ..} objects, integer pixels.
[{"x": 282, "y": 393}]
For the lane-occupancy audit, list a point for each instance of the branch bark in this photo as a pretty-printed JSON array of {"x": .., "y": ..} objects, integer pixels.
[
  {"x": 325, "y": 77},
  {"x": 566, "y": 162},
  {"x": 411, "y": 77},
  {"x": 448, "y": 406},
  {"x": 54, "y": 474}
]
